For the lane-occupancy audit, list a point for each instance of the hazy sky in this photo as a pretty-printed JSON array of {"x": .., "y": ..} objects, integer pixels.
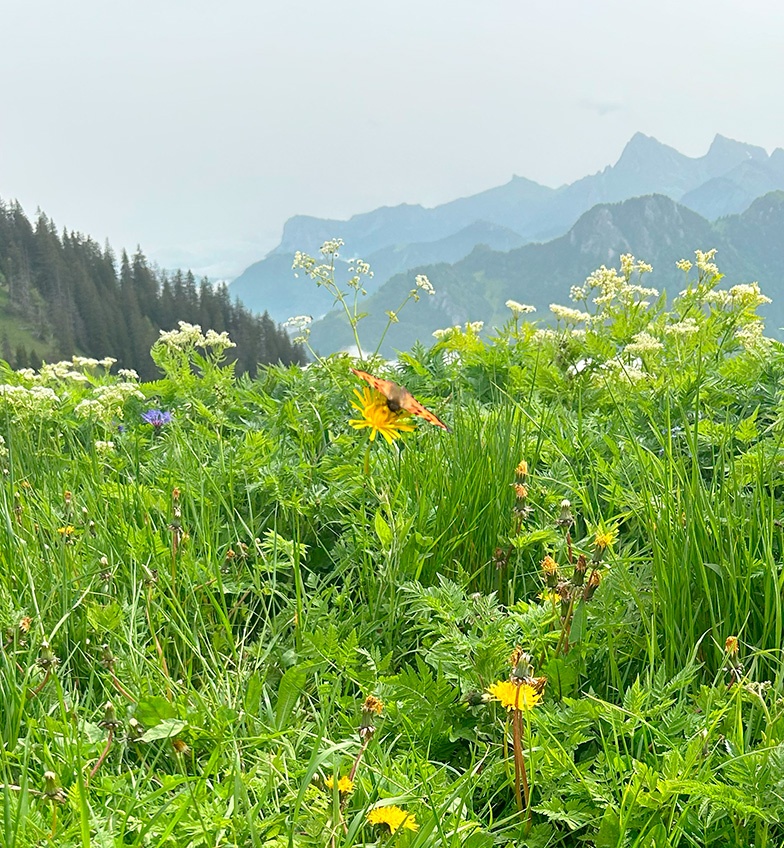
[{"x": 197, "y": 128}]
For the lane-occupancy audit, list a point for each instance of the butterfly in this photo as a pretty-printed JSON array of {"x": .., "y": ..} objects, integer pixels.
[{"x": 399, "y": 398}]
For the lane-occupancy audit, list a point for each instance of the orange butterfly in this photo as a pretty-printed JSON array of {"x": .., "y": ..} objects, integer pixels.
[{"x": 399, "y": 398}]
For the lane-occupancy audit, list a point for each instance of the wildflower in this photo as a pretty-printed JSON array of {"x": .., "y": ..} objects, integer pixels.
[
  {"x": 424, "y": 284},
  {"x": 377, "y": 416},
  {"x": 519, "y": 309},
  {"x": 683, "y": 265},
  {"x": 331, "y": 247},
  {"x": 66, "y": 531},
  {"x": 522, "y": 468},
  {"x": 643, "y": 343},
  {"x": 731, "y": 645},
  {"x": 592, "y": 585},
  {"x": 604, "y": 539},
  {"x": 25, "y": 624},
  {"x": 683, "y": 328},
  {"x": 522, "y": 697},
  {"x": 180, "y": 747},
  {"x": 103, "y": 446},
  {"x": 521, "y": 491},
  {"x": 393, "y": 817},
  {"x": 474, "y": 326},
  {"x": 157, "y": 418},
  {"x": 345, "y": 784},
  {"x": 373, "y": 705},
  {"x": 550, "y": 571}
]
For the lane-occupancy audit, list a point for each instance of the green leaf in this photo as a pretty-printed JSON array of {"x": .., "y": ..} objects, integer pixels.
[
  {"x": 164, "y": 730},
  {"x": 579, "y": 620},
  {"x": 383, "y": 530},
  {"x": 105, "y": 617},
  {"x": 609, "y": 834},
  {"x": 291, "y": 685},
  {"x": 561, "y": 676},
  {"x": 153, "y": 710}
]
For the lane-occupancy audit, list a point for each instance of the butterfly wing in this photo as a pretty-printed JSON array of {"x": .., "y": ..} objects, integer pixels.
[
  {"x": 400, "y": 398},
  {"x": 386, "y": 387}
]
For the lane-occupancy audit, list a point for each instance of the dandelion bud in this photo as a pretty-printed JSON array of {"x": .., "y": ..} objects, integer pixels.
[
  {"x": 135, "y": 730},
  {"x": 52, "y": 790},
  {"x": 107, "y": 657},
  {"x": 522, "y": 468},
  {"x": 565, "y": 519},
  {"x": 565, "y": 594},
  {"x": 110, "y": 720},
  {"x": 46, "y": 658},
  {"x": 370, "y": 708},
  {"x": 592, "y": 585},
  {"x": 474, "y": 698},
  {"x": 578, "y": 578},
  {"x": 550, "y": 571},
  {"x": 522, "y": 668}
]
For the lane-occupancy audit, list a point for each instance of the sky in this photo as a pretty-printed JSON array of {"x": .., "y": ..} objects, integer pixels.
[{"x": 195, "y": 129}]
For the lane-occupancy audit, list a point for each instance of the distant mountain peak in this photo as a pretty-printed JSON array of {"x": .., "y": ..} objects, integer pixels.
[{"x": 721, "y": 146}]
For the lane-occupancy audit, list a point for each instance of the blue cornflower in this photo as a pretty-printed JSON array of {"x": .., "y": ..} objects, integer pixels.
[{"x": 157, "y": 417}]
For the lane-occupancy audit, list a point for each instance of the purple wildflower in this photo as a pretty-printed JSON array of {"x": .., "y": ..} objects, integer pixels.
[{"x": 157, "y": 418}]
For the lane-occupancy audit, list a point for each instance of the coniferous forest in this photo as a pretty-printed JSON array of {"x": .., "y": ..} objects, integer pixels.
[{"x": 73, "y": 296}]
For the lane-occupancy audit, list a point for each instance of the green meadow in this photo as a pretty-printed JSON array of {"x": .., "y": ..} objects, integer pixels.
[{"x": 277, "y": 612}]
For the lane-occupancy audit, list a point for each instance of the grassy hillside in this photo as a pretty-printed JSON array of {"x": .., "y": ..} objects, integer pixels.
[{"x": 276, "y": 612}]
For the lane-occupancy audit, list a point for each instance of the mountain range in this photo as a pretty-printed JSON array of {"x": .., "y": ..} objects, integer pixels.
[
  {"x": 410, "y": 238},
  {"x": 654, "y": 228}
]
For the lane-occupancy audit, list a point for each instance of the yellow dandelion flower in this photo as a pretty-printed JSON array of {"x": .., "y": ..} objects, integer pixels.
[
  {"x": 604, "y": 538},
  {"x": 393, "y": 817},
  {"x": 522, "y": 468},
  {"x": 373, "y": 704},
  {"x": 378, "y": 417},
  {"x": 731, "y": 645},
  {"x": 514, "y": 696},
  {"x": 345, "y": 784},
  {"x": 68, "y": 530}
]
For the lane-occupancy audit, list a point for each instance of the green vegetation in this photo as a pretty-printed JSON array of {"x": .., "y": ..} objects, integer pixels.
[
  {"x": 62, "y": 294},
  {"x": 230, "y": 618}
]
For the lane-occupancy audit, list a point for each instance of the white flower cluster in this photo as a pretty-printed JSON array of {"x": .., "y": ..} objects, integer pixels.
[
  {"x": 643, "y": 343},
  {"x": 38, "y": 400},
  {"x": 301, "y": 325},
  {"x": 87, "y": 362},
  {"x": 424, "y": 284},
  {"x": 103, "y": 447},
  {"x": 128, "y": 374},
  {"x": 331, "y": 247},
  {"x": 683, "y": 265},
  {"x": 683, "y": 328},
  {"x": 614, "y": 286},
  {"x": 471, "y": 328},
  {"x": 189, "y": 336},
  {"x": 630, "y": 372},
  {"x": 742, "y": 296},
  {"x": 107, "y": 402},
  {"x": 519, "y": 309},
  {"x": 569, "y": 315},
  {"x": 751, "y": 336},
  {"x": 705, "y": 265}
]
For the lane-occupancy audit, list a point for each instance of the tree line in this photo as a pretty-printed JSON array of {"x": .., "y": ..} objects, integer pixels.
[{"x": 74, "y": 297}]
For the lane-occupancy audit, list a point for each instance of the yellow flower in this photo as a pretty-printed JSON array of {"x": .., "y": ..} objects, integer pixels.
[
  {"x": 731, "y": 645},
  {"x": 604, "y": 538},
  {"x": 514, "y": 696},
  {"x": 378, "y": 416},
  {"x": 393, "y": 817},
  {"x": 373, "y": 704},
  {"x": 345, "y": 784},
  {"x": 68, "y": 530}
]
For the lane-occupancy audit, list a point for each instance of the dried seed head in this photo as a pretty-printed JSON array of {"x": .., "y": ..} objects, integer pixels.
[{"x": 565, "y": 518}]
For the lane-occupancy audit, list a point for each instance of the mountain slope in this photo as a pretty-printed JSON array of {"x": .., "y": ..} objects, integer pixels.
[{"x": 653, "y": 228}]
